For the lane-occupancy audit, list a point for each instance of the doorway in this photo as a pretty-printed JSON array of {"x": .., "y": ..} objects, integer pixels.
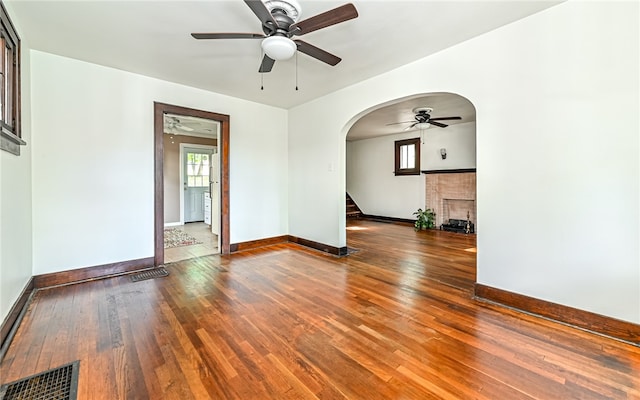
[
  {"x": 196, "y": 181},
  {"x": 220, "y": 183}
]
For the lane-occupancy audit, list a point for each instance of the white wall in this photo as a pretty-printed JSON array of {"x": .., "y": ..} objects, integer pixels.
[
  {"x": 370, "y": 164},
  {"x": 372, "y": 184},
  {"x": 15, "y": 202},
  {"x": 460, "y": 142},
  {"x": 556, "y": 96},
  {"x": 93, "y": 163}
]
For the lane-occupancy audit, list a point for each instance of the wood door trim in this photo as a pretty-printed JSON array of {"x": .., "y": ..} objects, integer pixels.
[{"x": 159, "y": 109}]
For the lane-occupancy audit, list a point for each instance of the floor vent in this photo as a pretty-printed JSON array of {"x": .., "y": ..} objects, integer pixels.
[
  {"x": 56, "y": 384},
  {"x": 150, "y": 274}
]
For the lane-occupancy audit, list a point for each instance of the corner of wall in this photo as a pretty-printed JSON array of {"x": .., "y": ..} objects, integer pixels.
[{"x": 16, "y": 242}]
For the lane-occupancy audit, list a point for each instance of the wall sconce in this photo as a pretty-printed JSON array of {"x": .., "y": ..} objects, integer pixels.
[{"x": 443, "y": 153}]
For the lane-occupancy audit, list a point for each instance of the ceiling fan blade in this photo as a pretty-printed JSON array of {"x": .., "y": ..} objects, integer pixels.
[
  {"x": 228, "y": 35},
  {"x": 263, "y": 13},
  {"x": 327, "y": 18},
  {"x": 267, "y": 64},
  {"x": 443, "y": 118},
  {"x": 438, "y": 124},
  {"x": 403, "y": 122},
  {"x": 317, "y": 53},
  {"x": 410, "y": 126}
]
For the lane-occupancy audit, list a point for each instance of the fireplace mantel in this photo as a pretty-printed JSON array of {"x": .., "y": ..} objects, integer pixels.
[{"x": 449, "y": 171}]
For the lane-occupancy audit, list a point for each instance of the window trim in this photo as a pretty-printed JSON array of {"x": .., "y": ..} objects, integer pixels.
[
  {"x": 10, "y": 133},
  {"x": 407, "y": 171}
]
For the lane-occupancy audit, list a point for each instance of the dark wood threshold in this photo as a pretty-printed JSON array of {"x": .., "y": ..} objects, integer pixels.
[
  {"x": 600, "y": 324},
  {"x": 388, "y": 219},
  {"x": 12, "y": 321},
  {"x": 91, "y": 273},
  {"x": 449, "y": 171},
  {"x": 254, "y": 244}
]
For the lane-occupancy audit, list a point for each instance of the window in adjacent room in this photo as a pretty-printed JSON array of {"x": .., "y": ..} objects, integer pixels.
[
  {"x": 9, "y": 85},
  {"x": 407, "y": 157},
  {"x": 197, "y": 169}
]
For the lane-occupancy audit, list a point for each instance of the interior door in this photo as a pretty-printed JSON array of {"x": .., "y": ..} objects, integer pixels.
[
  {"x": 196, "y": 169},
  {"x": 215, "y": 193}
]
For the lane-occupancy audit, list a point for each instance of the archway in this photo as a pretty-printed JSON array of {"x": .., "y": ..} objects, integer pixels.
[{"x": 446, "y": 180}]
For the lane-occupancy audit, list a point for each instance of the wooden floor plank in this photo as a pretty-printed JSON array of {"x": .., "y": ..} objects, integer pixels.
[{"x": 394, "y": 319}]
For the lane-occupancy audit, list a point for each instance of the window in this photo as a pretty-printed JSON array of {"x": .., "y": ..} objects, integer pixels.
[
  {"x": 9, "y": 85},
  {"x": 197, "y": 170},
  {"x": 408, "y": 157}
]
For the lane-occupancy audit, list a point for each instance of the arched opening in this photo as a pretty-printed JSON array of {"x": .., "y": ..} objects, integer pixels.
[{"x": 444, "y": 176}]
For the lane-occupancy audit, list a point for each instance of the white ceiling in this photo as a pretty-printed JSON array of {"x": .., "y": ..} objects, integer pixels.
[{"x": 153, "y": 38}]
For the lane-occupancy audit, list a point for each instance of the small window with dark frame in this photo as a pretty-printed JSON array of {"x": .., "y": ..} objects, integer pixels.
[
  {"x": 9, "y": 85},
  {"x": 407, "y": 157}
]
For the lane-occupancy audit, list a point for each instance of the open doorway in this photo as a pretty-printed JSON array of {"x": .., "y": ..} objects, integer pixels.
[
  {"x": 191, "y": 189},
  {"x": 191, "y": 180}
]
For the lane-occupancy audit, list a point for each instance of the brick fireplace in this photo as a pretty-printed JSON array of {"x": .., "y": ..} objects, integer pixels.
[{"x": 451, "y": 194}]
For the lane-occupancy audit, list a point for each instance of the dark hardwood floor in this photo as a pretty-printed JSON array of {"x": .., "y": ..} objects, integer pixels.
[{"x": 393, "y": 320}]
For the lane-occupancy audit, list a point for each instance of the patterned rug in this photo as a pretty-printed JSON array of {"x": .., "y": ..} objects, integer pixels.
[{"x": 174, "y": 237}]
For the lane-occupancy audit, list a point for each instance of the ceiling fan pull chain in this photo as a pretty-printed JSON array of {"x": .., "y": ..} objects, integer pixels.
[
  {"x": 261, "y": 74},
  {"x": 296, "y": 70}
]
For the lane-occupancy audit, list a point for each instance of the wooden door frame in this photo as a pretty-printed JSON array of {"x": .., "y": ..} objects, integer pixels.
[{"x": 159, "y": 109}]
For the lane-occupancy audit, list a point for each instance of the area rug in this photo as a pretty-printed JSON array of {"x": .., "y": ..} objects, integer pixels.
[{"x": 174, "y": 237}]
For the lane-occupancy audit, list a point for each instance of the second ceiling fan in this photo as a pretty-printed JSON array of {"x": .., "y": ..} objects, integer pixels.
[
  {"x": 422, "y": 119},
  {"x": 279, "y": 19}
]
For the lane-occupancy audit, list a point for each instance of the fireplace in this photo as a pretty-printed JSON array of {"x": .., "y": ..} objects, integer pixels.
[
  {"x": 456, "y": 213},
  {"x": 458, "y": 209},
  {"x": 451, "y": 194}
]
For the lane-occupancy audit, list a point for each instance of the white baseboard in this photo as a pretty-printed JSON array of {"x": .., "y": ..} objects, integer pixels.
[{"x": 169, "y": 224}]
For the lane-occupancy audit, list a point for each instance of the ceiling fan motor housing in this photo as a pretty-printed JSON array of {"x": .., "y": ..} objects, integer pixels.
[
  {"x": 278, "y": 44},
  {"x": 285, "y": 13},
  {"x": 289, "y": 8},
  {"x": 423, "y": 114},
  {"x": 283, "y": 21}
]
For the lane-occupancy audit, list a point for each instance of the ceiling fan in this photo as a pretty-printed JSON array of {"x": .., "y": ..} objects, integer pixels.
[
  {"x": 423, "y": 119},
  {"x": 173, "y": 123},
  {"x": 279, "y": 19}
]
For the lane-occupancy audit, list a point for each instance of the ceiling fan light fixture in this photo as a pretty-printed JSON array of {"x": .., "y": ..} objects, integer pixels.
[
  {"x": 422, "y": 125},
  {"x": 279, "y": 47}
]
